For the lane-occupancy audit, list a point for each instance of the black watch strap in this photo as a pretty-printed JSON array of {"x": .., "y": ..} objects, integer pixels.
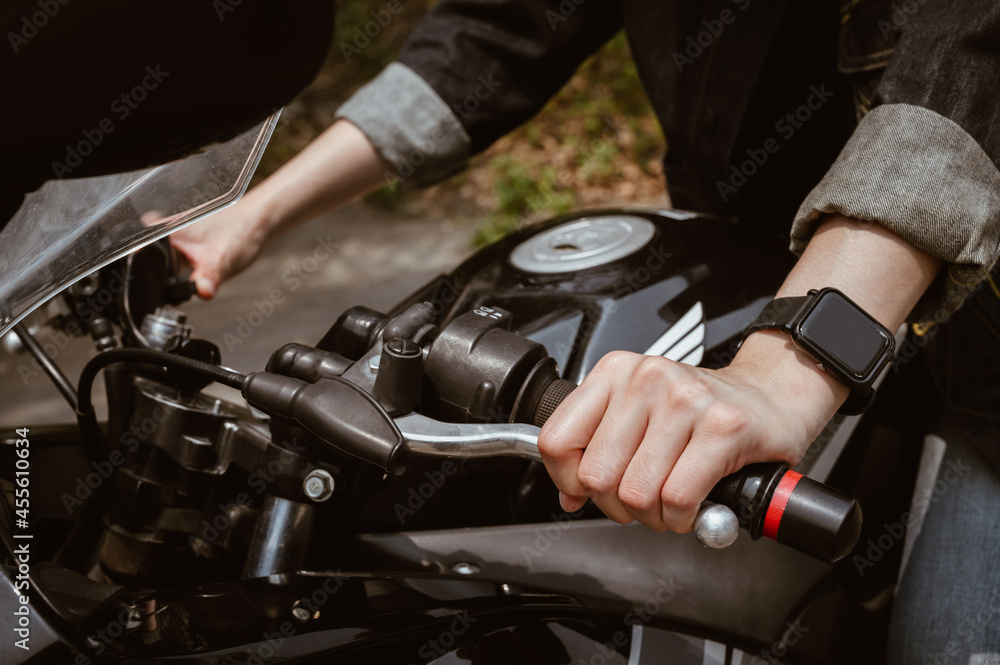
[{"x": 779, "y": 313}]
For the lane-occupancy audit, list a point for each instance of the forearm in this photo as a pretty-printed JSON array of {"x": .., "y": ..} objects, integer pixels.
[
  {"x": 337, "y": 167},
  {"x": 880, "y": 271}
]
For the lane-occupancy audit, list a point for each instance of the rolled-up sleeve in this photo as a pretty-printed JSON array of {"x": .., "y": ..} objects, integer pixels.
[
  {"x": 472, "y": 71},
  {"x": 924, "y": 161},
  {"x": 409, "y": 125}
]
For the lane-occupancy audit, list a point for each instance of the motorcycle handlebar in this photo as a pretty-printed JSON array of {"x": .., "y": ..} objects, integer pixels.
[
  {"x": 475, "y": 365},
  {"x": 766, "y": 499}
]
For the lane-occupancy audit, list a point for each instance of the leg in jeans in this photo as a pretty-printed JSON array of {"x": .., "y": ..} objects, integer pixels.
[{"x": 948, "y": 602}]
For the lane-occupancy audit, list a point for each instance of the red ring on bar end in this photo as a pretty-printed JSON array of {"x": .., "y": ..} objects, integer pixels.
[{"x": 776, "y": 508}]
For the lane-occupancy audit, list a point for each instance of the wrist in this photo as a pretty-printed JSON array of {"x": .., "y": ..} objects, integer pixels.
[
  {"x": 261, "y": 218},
  {"x": 770, "y": 361}
]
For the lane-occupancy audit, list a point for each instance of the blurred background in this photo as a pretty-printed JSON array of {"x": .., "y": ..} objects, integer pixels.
[{"x": 595, "y": 144}]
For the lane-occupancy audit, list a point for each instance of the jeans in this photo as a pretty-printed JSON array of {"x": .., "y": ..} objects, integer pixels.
[
  {"x": 948, "y": 601},
  {"x": 947, "y": 607}
]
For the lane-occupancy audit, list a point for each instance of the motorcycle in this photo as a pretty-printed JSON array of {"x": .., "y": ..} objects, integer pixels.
[{"x": 378, "y": 496}]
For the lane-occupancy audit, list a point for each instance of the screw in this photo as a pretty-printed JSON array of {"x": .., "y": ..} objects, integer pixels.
[
  {"x": 134, "y": 618},
  {"x": 465, "y": 568},
  {"x": 300, "y": 612},
  {"x": 318, "y": 485}
]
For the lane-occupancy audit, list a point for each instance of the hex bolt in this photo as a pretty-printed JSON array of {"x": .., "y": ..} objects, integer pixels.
[{"x": 318, "y": 485}]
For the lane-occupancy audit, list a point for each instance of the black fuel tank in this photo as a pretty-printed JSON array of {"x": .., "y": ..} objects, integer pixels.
[{"x": 668, "y": 282}]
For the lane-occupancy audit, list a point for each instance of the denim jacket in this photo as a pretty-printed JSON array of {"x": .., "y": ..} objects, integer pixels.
[{"x": 773, "y": 111}]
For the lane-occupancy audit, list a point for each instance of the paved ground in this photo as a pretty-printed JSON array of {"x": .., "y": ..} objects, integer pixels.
[{"x": 359, "y": 255}]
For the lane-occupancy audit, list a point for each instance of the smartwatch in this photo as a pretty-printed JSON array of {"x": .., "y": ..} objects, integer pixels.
[{"x": 842, "y": 338}]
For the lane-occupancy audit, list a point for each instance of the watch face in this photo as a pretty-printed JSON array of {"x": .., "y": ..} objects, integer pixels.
[{"x": 842, "y": 336}]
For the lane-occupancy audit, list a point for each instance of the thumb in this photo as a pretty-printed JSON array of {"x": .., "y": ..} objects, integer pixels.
[{"x": 205, "y": 284}]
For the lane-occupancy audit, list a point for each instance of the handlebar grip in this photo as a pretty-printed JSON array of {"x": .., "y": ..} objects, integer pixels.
[
  {"x": 768, "y": 499},
  {"x": 773, "y": 501},
  {"x": 552, "y": 397}
]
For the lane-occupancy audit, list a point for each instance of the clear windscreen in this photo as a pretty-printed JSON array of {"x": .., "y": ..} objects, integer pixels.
[{"x": 69, "y": 228}]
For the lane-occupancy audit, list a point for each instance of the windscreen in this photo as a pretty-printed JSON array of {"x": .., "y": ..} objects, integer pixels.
[{"x": 69, "y": 228}]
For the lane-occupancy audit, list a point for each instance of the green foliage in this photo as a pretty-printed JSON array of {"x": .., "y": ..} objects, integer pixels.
[
  {"x": 607, "y": 86},
  {"x": 521, "y": 198}
]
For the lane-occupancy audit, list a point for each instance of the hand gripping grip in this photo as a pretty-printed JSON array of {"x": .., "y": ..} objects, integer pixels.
[{"x": 766, "y": 499}]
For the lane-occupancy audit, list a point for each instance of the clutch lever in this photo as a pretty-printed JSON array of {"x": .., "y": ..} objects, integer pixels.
[{"x": 426, "y": 436}]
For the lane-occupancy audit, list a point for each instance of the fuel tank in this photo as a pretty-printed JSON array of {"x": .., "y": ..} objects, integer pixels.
[{"x": 667, "y": 282}]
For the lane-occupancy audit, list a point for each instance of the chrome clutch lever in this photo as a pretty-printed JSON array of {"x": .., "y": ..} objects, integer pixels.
[
  {"x": 426, "y": 436},
  {"x": 716, "y": 526}
]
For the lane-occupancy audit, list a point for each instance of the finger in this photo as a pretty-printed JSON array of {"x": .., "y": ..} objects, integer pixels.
[
  {"x": 151, "y": 217},
  {"x": 567, "y": 433},
  {"x": 697, "y": 471},
  {"x": 707, "y": 458},
  {"x": 610, "y": 450},
  {"x": 719, "y": 445},
  {"x": 571, "y": 504},
  {"x": 206, "y": 286},
  {"x": 563, "y": 438},
  {"x": 642, "y": 484},
  {"x": 205, "y": 275}
]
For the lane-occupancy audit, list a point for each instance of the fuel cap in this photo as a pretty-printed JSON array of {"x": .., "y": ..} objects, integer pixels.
[{"x": 582, "y": 244}]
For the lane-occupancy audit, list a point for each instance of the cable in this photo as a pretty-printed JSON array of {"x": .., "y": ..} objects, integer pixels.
[
  {"x": 89, "y": 429},
  {"x": 47, "y": 364},
  {"x": 226, "y": 377}
]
